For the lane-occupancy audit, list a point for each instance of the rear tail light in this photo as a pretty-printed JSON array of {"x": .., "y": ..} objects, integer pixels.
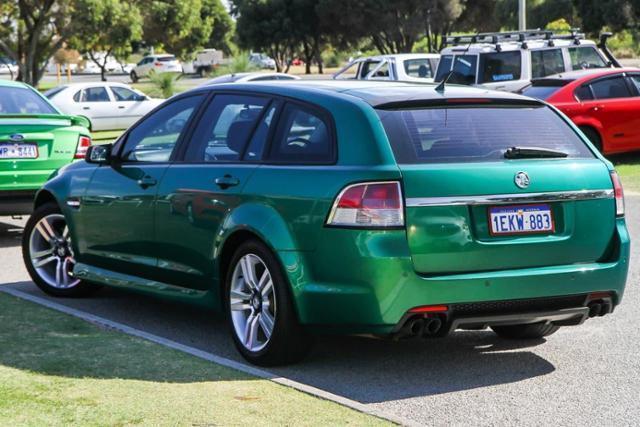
[
  {"x": 83, "y": 143},
  {"x": 368, "y": 205},
  {"x": 158, "y": 64},
  {"x": 617, "y": 189},
  {"x": 430, "y": 309}
]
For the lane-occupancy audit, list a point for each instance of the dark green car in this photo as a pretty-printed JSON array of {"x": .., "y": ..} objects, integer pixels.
[
  {"x": 35, "y": 141},
  {"x": 350, "y": 207}
]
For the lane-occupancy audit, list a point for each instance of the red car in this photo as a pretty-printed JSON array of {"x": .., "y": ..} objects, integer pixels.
[{"x": 604, "y": 103}]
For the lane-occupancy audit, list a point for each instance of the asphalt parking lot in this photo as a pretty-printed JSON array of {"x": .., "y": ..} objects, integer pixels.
[{"x": 586, "y": 375}]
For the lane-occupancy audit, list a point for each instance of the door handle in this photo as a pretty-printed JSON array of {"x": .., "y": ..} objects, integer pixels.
[
  {"x": 86, "y": 108},
  {"x": 121, "y": 106},
  {"x": 147, "y": 181},
  {"x": 226, "y": 181}
]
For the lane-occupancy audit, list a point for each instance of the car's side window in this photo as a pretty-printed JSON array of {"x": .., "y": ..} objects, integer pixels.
[
  {"x": 500, "y": 66},
  {"x": 303, "y": 136},
  {"x": 545, "y": 62},
  {"x": 610, "y": 88},
  {"x": 259, "y": 139},
  {"x": 225, "y": 128},
  {"x": 77, "y": 96},
  {"x": 95, "y": 94},
  {"x": 420, "y": 68},
  {"x": 583, "y": 93},
  {"x": 585, "y": 57},
  {"x": 124, "y": 94},
  {"x": 154, "y": 139},
  {"x": 635, "y": 82}
]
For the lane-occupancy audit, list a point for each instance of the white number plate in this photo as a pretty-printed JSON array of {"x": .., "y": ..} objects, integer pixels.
[
  {"x": 521, "y": 219},
  {"x": 18, "y": 151}
]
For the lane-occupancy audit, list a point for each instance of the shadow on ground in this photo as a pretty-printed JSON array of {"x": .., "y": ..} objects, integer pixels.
[
  {"x": 364, "y": 369},
  {"x": 10, "y": 234}
]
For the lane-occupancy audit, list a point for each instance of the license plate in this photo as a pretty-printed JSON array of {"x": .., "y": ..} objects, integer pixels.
[
  {"x": 521, "y": 219},
  {"x": 18, "y": 151}
]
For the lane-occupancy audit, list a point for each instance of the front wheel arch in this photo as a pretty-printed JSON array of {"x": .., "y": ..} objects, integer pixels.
[{"x": 43, "y": 197}]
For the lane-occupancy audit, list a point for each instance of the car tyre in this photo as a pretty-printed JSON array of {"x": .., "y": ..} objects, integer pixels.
[
  {"x": 48, "y": 254},
  {"x": 593, "y": 136},
  {"x": 525, "y": 332},
  {"x": 260, "y": 311},
  {"x": 134, "y": 77}
]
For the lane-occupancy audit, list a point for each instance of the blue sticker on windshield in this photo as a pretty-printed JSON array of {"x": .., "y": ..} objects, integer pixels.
[{"x": 501, "y": 77}]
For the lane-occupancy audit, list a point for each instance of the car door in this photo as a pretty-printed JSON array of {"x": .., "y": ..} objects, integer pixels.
[
  {"x": 196, "y": 194},
  {"x": 117, "y": 207},
  {"x": 613, "y": 107},
  {"x": 131, "y": 105},
  {"x": 97, "y": 105}
]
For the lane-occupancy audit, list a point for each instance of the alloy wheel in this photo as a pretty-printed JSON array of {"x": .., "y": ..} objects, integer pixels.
[
  {"x": 51, "y": 253},
  {"x": 252, "y": 302}
]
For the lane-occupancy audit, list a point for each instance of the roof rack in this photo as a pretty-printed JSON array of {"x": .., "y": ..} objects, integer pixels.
[{"x": 513, "y": 36}]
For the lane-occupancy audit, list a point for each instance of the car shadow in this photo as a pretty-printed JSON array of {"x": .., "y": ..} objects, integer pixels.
[
  {"x": 10, "y": 234},
  {"x": 364, "y": 369}
]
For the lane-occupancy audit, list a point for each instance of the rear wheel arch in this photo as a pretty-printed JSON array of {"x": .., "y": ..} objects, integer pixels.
[
  {"x": 593, "y": 134},
  {"x": 229, "y": 247}
]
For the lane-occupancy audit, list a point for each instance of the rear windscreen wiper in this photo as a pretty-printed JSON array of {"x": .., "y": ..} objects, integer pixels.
[{"x": 532, "y": 153}]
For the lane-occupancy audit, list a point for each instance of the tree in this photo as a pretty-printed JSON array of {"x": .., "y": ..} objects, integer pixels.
[
  {"x": 223, "y": 27},
  {"x": 108, "y": 27},
  {"x": 267, "y": 26},
  {"x": 31, "y": 31},
  {"x": 186, "y": 25}
]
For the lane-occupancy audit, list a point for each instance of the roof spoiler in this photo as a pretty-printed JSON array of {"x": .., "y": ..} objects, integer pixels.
[{"x": 605, "y": 49}]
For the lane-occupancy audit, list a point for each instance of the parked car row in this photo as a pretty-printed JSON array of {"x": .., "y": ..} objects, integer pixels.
[
  {"x": 296, "y": 207},
  {"x": 293, "y": 207}
]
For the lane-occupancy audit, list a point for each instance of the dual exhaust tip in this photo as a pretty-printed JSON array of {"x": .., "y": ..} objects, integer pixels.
[
  {"x": 600, "y": 308},
  {"x": 421, "y": 327}
]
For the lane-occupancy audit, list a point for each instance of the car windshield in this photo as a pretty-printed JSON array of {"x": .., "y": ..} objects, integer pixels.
[
  {"x": 477, "y": 133},
  {"x": 19, "y": 100},
  {"x": 53, "y": 92},
  {"x": 463, "y": 68}
]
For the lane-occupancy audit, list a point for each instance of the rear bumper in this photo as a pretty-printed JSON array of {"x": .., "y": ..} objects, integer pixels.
[
  {"x": 370, "y": 286},
  {"x": 16, "y": 202}
]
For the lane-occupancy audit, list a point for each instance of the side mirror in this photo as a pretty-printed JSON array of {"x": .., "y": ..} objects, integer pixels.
[{"x": 99, "y": 154}]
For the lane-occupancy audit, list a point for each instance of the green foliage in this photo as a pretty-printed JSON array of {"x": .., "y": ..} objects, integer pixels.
[
  {"x": 165, "y": 83},
  {"x": 107, "y": 26},
  {"x": 239, "y": 63},
  {"x": 333, "y": 58},
  {"x": 181, "y": 27},
  {"x": 559, "y": 25},
  {"x": 624, "y": 44}
]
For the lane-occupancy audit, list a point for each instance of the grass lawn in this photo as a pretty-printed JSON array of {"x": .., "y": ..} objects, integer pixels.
[
  {"x": 628, "y": 166},
  {"x": 59, "y": 370}
]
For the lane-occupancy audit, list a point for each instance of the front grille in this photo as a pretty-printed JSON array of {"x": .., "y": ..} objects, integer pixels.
[{"x": 518, "y": 306}]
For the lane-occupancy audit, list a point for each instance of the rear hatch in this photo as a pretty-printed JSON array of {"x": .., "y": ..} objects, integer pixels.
[
  {"x": 32, "y": 147},
  {"x": 470, "y": 209}
]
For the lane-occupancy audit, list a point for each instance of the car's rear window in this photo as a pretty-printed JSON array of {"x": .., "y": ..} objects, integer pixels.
[
  {"x": 540, "y": 92},
  {"x": 476, "y": 133},
  {"x": 18, "y": 100},
  {"x": 166, "y": 58}
]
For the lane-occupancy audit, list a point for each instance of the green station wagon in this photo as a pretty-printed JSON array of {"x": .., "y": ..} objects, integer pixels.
[
  {"x": 35, "y": 140},
  {"x": 343, "y": 207}
]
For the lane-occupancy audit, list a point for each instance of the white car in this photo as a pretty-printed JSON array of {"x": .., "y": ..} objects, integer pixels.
[
  {"x": 508, "y": 61},
  {"x": 250, "y": 77},
  {"x": 261, "y": 60},
  {"x": 8, "y": 66},
  {"x": 108, "y": 106},
  {"x": 159, "y": 63},
  {"x": 404, "y": 67}
]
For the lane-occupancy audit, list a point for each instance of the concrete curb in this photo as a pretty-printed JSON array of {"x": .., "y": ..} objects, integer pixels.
[{"x": 239, "y": 366}]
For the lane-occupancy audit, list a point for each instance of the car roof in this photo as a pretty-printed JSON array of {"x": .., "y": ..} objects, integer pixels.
[
  {"x": 372, "y": 92},
  {"x": 476, "y": 48},
  {"x": 399, "y": 56}
]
